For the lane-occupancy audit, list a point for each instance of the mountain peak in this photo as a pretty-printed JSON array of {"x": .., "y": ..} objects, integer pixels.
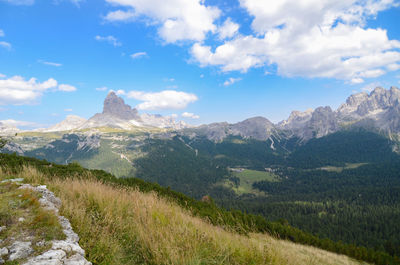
[
  {"x": 71, "y": 122},
  {"x": 115, "y": 106}
]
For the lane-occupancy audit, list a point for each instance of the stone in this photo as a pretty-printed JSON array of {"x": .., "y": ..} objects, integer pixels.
[
  {"x": 2, "y": 228},
  {"x": 53, "y": 257},
  {"x": 57, "y": 255},
  {"x": 20, "y": 250},
  {"x": 40, "y": 243},
  {"x": 3, "y": 251},
  {"x": 76, "y": 259},
  {"x": 68, "y": 247}
]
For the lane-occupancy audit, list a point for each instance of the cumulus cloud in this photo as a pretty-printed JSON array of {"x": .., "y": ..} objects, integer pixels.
[
  {"x": 177, "y": 20},
  {"x": 228, "y": 29},
  {"x": 5, "y": 44},
  {"x": 167, "y": 99},
  {"x": 2, "y": 33},
  {"x": 2, "y": 75},
  {"x": 138, "y": 55},
  {"x": 66, "y": 88},
  {"x": 110, "y": 39},
  {"x": 190, "y": 115},
  {"x": 16, "y": 90},
  {"x": 308, "y": 38},
  {"x": 231, "y": 81}
]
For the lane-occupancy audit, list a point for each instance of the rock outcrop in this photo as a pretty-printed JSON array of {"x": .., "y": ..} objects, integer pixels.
[
  {"x": 116, "y": 107},
  {"x": 67, "y": 252}
]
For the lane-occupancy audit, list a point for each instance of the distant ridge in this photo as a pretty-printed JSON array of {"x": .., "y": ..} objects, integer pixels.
[{"x": 378, "y": 111}]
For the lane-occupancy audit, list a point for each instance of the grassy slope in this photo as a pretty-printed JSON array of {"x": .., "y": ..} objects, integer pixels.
[
  {"x": 229, "y": 220},
  {"x": 119, "y": 225}
]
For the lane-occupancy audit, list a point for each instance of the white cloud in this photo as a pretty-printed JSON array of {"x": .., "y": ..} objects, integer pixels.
[
  {"x": 104, "y": 88},
  {"x": 174, "y": 115},
  {"x": 357, "y": 80},
  {"x": 17, "y": 123},
  {"x": 308, "y": 38},
  {"x": 120, "y": 15},
  {"x": 50, "y": 63},
  {"x": 67, "y": 110},
  {"x": 167, "y": 99},
  {"x": 368, "y": 88},
  {"x": 16, "y": 90},
  {"x": 120, "y": 92},
  {"x": 2, "y": 75},
  {"x": 5, "y": 44},
  {"x": 177, "y": 20},
  {"x": 66, "y": 88},
  {"x": 2, "y": 33},
  {"x": 20, "y": 2},
  {"x": 190, "y": 115},
  {"x": 228, "y": 29},
  {"x": 110, "y": 39},
  {"x": 138, "y": 55},
  {"x": 393, "y": 67},
  {"x": 231, "y": 81},
  {"x": 372, "y": 73}
]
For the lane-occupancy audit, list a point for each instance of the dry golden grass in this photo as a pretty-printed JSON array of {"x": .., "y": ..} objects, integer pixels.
[{"x": 125, "y": 226}]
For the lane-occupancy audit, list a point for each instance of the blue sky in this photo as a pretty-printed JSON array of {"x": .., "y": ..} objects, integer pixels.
[{"x": 214, "y": 60}]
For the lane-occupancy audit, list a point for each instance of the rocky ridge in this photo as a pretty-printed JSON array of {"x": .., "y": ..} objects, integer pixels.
[
  {"x": 71, "y": 122},
  {"x": 117, "y": 114},
  {"x": 378, "y": 111},
  {"x": 67, "y": 252},
  {"x": 7, "y": 129}
]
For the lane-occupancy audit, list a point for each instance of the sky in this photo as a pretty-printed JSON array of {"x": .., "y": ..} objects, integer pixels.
[{"x": 200, "y": 61}]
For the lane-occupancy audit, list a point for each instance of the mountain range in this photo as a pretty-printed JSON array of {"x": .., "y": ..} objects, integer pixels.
[
  {"x": 378, "y": 111},
  {"x": 330, "y": 172}
]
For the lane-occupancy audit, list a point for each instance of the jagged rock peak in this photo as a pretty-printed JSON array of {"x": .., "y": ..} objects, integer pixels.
[
  {"x": 299, "y": 115},
  {"x": 115, "y": 106}
]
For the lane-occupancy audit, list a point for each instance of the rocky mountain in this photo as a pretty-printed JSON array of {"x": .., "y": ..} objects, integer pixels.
[
  {"x": 7, "y": 129},
  {"x": 70, "y": 123},
  {"x": 378, "y": 110},
  {"x": 258, "y": 128},
  {"x": 117, "y": 114},
  {"x": 116, "y": 107}
]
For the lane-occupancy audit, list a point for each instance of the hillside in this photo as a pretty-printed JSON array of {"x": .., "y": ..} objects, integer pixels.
[
  {"x": 95, "y": 200},
  {"x": 120, "y": 225}
]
